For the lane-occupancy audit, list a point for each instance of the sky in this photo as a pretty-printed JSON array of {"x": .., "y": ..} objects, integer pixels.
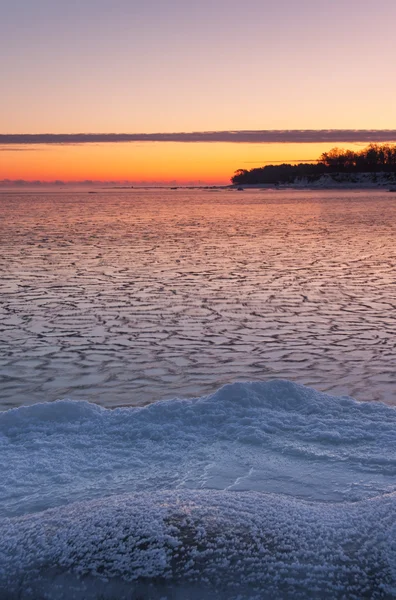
[{"x": 169, "y": 66}]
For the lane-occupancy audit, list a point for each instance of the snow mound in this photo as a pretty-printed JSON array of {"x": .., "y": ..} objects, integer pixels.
[
  {"x": 206, "y": 544},
  {"x": 274, "y": 437},
  {"x": 261, "y": 490}
]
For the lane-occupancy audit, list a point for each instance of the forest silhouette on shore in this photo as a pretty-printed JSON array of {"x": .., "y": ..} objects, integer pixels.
[{"x": 375, "y": 158}]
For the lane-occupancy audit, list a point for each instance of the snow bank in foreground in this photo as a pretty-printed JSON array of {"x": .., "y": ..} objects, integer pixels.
[
  {"x": 273, "y": 437},
  {"x": 205, "y": 544},
  {"x": 261, "y": 490}
]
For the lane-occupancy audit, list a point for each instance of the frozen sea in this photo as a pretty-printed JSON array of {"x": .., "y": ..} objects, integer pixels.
[
  {"x": 127, "y": 297},
  {"x": 197, "y": 394}
]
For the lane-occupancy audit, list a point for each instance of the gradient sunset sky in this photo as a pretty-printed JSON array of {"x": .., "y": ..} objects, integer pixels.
[{"x": 154, "y": 66}]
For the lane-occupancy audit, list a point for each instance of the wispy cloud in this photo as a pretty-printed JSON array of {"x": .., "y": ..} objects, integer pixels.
[
  {"x": 9, "y": 148},
  {"x": 297, "y": 136}
]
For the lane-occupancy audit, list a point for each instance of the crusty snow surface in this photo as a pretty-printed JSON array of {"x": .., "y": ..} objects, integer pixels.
[{"x": 262, "y": 490}]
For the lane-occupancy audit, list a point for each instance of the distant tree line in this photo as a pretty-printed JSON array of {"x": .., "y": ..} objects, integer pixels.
[{"x": 373, "y": 159}]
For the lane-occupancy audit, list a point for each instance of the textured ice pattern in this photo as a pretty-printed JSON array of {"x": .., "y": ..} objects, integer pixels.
[
  {"x": 126, "y": 298},
  {"x": 261, "y": 490}
]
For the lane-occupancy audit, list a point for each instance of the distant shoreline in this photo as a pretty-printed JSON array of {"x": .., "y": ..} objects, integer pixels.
[
  {"x": 322, "y": 185},
  {"x": 326, "y": 182},
  {"x": 337, "y": 181}
]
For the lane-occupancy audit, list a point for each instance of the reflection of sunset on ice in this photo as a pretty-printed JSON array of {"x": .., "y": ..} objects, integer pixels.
[{"x": 131, "y": 296}]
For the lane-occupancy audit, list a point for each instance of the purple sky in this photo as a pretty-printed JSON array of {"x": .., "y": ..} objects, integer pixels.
[{"x": 158, "y": 65}]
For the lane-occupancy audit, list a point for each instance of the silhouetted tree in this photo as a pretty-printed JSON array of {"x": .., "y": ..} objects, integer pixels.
[{"x": 373, "y": 159}]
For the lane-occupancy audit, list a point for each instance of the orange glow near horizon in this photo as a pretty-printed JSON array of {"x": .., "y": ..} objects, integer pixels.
[{"x": 148, "y": 161}]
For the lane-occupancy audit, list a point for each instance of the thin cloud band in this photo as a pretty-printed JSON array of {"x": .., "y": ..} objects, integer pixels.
[{"x": 301, "y": 136}]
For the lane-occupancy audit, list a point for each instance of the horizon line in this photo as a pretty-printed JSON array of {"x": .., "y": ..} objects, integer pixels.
[{"x": 265, "y": 136}]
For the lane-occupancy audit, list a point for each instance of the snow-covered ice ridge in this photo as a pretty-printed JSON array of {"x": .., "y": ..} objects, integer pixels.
[{"x": 261, "y": 490}]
